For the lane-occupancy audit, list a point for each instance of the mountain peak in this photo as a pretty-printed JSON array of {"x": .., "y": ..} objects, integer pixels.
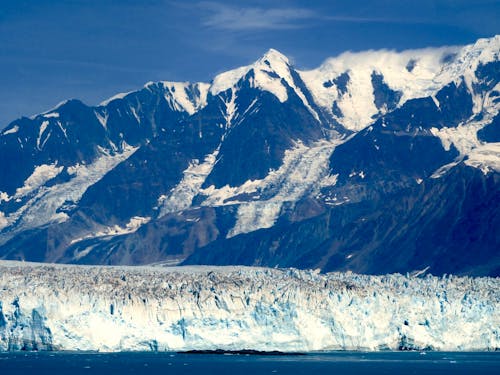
[
  {"x": 269, "y": 70},
  {"x": 273, "y": 56}
]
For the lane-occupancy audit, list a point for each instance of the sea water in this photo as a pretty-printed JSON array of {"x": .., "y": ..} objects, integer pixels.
[{"x": 337, "y": 363}]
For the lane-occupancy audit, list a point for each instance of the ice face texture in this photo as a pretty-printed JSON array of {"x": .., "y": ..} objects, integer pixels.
[{"x": 55, "y": 307}]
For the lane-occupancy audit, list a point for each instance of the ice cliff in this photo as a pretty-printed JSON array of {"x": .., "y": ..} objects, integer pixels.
[{"x": 58, "y": 307}]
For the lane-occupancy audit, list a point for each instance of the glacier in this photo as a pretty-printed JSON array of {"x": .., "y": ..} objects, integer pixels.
[
  {"x": 99, "y": 308},
  {"x": 43, "y": 203}
]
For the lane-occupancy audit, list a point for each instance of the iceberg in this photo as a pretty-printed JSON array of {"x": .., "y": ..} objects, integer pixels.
[{"x": 100, "y": 308}]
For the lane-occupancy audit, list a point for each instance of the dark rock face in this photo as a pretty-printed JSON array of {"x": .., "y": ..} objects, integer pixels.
[
  {"x": 491, "y": 132},
  {"x": 339, "y": 82},
  {"x": 448, "y": 227},
  {"x": 254, "y": 171},
  {"x": 385, "y": 97}
]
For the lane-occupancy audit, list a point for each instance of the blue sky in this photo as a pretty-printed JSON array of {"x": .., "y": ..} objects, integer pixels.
[{"x": 51, "y": 50}]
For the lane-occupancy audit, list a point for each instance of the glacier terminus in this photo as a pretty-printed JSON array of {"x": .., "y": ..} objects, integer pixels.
[{"x": 64, "y": 307}]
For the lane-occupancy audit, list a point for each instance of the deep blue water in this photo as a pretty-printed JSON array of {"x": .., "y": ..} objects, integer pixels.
[{"x": 337, "y": 363}]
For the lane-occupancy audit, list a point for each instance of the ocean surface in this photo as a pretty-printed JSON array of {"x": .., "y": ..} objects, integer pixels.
[{"x": 318, "y": 363}]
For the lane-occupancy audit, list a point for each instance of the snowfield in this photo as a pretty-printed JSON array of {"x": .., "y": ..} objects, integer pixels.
[{"x": 61, "y": 307}]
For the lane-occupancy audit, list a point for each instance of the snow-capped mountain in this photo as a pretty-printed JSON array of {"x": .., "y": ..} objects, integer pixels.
[
  {"x": 376, "y": 162},
  {"x": 205, "y": 307}
]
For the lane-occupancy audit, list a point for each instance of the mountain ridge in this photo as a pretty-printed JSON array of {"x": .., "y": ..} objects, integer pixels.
[{"x": 175, "y": 166}]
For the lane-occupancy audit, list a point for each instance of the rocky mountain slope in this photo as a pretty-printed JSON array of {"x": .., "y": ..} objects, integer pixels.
[{"x": 375, "y": 162}]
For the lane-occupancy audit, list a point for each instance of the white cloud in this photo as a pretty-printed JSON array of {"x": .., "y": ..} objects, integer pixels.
[{"x": 253, "y": 18}]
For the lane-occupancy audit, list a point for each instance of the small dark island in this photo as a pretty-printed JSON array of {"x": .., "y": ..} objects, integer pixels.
[{"x": 242, "y": 352}]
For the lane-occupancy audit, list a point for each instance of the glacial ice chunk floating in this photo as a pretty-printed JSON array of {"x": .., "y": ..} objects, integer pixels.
[{"x": 61, "y": 307}]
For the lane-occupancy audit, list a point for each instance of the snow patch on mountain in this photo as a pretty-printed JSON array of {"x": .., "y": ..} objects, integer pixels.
[
  {"x": 120, "y": 95},
  {"x": 256, "y": 215},
  {"x": 231, "y": 107},
  {"x": 3, "y": 221},
  {"x": 486, "y": 157},
  {"x": 205, "y": 307},
  {"x": 329, "y": 180},
  {"x": 53, "y": 109},
  {"x": 186, "y": 97},
  {"x": 132, "y": 226},
  {"x": 12, "y": 130},
  {"x": 51, "y": 115},
  {"x": 441, "y": 171},
  {"x": 299, "y": 174},
  {"x": 181, "y": 196},
  {"x": 39, "y": 177},
  {"x": 302, "y": 168},
  {"x": 224, "y": 81},
  {"x": 102, "y": 118},
  {"x": 44, "y": 206},
  {"x": 43, "y": 127},
  {"x": 464, "y": 138},
  {"x": 4, "y": 197}
]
